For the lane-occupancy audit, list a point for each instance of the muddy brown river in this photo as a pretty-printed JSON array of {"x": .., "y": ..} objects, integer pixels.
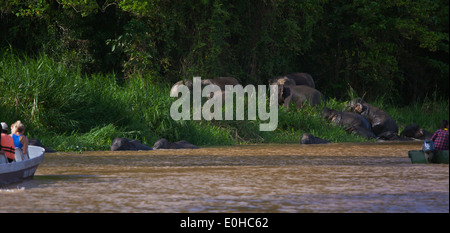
[{"x": 343, "y": 177}]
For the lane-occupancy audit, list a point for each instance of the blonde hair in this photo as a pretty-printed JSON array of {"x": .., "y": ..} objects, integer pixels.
[{"x": 18, "y": 126}]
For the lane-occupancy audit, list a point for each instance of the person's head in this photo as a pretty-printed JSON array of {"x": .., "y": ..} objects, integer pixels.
[
  {"x": 18, "y": 127},
  {"x": 444, "y": 124},
  {"x": 4, "y": 127}
]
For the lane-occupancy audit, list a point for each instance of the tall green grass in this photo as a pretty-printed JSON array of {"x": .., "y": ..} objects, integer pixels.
[{"x": 70, "y": 111}]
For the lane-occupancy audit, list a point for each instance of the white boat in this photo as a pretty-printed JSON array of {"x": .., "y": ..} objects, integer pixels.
[{"x": 23, "y": 167}]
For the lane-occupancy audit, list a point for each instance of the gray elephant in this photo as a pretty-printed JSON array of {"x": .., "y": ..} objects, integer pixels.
[
  {"x": 165, "y": 144},
  {"x": 351, "y": 122},
  {"x": 414, "y": 131},
  {"x": 302, "y": 79},
  {"x": 282, "y": 80},
  {"x": 382, "y": 124},
  {"x": 299, "y": 95},
  {"x": 311, "y": 139},
  {"x": 294, "y": 79},
  {"x": 127, "y": 144}
]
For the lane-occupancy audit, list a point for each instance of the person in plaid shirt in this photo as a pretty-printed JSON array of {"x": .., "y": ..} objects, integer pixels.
[{"x": 440, "y": 137}]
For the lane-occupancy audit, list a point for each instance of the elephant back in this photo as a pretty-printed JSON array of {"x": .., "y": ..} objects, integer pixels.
[
  {"x": 311, "y": 94},
  {"x": 302, "y": 79}
]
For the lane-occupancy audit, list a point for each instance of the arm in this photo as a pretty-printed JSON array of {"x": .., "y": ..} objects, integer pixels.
[
  {"x": 433, "y": 138},
  {"x": 24, "y": 141}
]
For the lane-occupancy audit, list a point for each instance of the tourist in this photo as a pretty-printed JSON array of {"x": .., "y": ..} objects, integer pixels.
[
  {"x": 7, "y": 143},
  {"x": 440, "y": 137},
  {"x": 20, "y": 140}
]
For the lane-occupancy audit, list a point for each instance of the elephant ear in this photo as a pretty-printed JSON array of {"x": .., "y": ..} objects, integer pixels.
[{"x": 359, "y": 108}]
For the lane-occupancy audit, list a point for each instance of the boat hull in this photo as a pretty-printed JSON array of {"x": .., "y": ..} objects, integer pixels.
[
  {"x": 418, "y": 156},
  {"x": 18, "y": 171}
]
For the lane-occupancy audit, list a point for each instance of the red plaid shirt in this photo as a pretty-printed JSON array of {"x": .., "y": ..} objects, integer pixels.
[{"x": 440, "y": 139}]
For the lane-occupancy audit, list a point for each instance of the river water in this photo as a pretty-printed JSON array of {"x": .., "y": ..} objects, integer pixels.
[{"x": 343, "y": 177}]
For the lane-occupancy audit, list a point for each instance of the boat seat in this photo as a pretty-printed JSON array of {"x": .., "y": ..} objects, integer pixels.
[
  {"x": 19, "y": 156},
  {"x": 3, "y": 158}
]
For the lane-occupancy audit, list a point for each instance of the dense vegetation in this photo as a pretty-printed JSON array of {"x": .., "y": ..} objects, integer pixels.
[{"x": 81, "y": 72}]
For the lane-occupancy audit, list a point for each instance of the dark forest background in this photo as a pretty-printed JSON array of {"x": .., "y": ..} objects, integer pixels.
[{"x": 396, "y": 50}]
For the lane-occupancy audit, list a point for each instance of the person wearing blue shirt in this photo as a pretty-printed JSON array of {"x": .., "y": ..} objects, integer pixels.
[{"x": 20, "y": 140}]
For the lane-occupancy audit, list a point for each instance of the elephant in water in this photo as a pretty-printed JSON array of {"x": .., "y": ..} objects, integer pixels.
[
  {"x": 294, "y": 79},
  {"x": 127, "y": 144},
  {"x": 310, "y": 139},
  {"x": 165, "y": 144},
  {"x": 382, "y": 124},
  {"x": 352, "y": 122},
  {"x": 299, "y": 95},
  {"x": 414, "y": 131},
  {"x": 36, "y": 142}
]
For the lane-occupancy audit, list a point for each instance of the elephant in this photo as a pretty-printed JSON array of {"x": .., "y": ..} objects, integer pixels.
[
  {"x": 310, "y": 139},
  {"x": 165, "y": 144},
  {"x": 302, "y": 79},
  {"x": 127, "y": 144},
  {"x": 294, "y": 79},
  {"x": 36, "y": 142},
  {"x": 221, "y": 82},
  {"x": 282, "y": 80},
  {"x": 352, "y": 122},
  {"x": 382, "y": 124},
  {"x": 414, "y": 131},
  {"x": 299, "y": 95}
]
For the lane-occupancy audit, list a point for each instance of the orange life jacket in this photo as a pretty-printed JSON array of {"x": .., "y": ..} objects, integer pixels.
[{"x": 7, "y": 145}]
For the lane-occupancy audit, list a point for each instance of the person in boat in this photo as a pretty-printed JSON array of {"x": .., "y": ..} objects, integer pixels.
[
  {"x": 20, "y": 140},
  {"x": 7, "y": 143},
  {"x": 440, "y": 137}
]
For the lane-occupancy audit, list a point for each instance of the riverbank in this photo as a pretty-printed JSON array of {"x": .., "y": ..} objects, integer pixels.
[{"x": 69, "y": 111}]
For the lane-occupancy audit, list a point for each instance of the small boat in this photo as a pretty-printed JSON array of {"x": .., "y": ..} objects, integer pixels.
[
  {"x": 23, "y": 167},
  {"x": 418, "y": 156}
]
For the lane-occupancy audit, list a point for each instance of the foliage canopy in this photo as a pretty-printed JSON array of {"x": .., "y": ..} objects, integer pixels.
[{"x": 371, "y": 46}]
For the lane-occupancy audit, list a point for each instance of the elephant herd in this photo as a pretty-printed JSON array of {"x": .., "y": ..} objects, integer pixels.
[
  {"x": 120, "y": 144},
  {"x": 296, "y": 88},
  {"x": 371, "y": 122},
  {"x": 359, "y": 117}
]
